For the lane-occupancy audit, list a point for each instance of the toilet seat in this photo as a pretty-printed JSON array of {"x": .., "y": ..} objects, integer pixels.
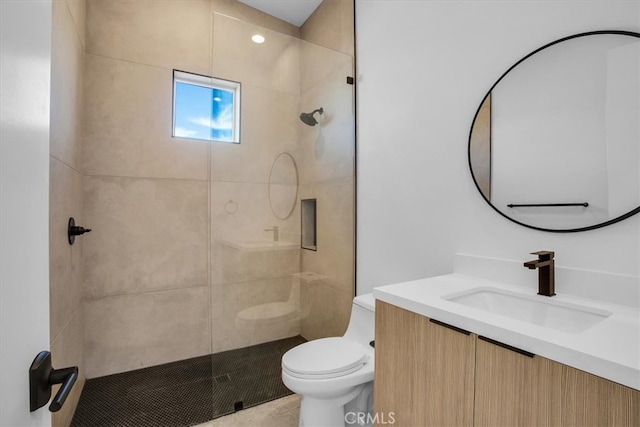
[{"x": 324, "y": 358}]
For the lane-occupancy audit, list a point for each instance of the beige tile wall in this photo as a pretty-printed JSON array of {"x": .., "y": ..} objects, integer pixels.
[
  {"x": 247, "y": 279},
  {"x": 331, "y": 25},
  {"x": 160, "y": 282},
  {"x": 137, "y": 330},
  {"x": 68, "y": 350},
  {"x": 273, "y": 65},
  {"x": 327, "y": 151},
  {"x": 248, "y": 14},
  {"x": 328, "y": 311},
  {"x": 153, "y": 33},
  {"x": 328, "y": 158},
  {"x": 330, "y": 299},
  {"x": 66, "y": 93},
  {"x": 149, "y": 235},
  {"x": 128, "y": 124},
  {"x": 65, "y": 264},
  {"x": 66, "y": 314},
  {"x": 146, "y": 195},
  {"x": 229, "y": 299},
  {"x": 335, "y": 232},
  {"x": 262, "y": 124}
]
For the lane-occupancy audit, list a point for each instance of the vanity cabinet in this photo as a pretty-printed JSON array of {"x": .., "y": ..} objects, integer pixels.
[
  {"x": 591, "y": 400},
  {"x": 515, "y": 388},
  {"x": 424, "y": 371},
  {"x": 430, "y": 375}
]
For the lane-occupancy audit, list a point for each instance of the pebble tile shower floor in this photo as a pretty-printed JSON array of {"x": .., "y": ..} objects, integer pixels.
[{"x": 187, "y": 392}]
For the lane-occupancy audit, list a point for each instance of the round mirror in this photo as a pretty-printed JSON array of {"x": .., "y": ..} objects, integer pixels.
[
  {"x": 283, "y": 186},
  {"x": 555, "y": 143}
]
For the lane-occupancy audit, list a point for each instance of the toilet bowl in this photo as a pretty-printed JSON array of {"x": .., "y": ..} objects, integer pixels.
[{"x": 334, "y": 375}]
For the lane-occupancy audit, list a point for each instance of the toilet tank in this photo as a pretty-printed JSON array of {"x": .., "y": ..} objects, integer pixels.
[{"x": 362, "y": 322}]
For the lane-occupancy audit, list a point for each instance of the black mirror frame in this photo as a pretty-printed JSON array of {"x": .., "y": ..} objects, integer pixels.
[{"x": 572, "y": 230}]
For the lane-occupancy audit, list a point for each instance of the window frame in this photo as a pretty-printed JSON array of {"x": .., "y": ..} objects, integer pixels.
[{"x": 208, "y": 82}]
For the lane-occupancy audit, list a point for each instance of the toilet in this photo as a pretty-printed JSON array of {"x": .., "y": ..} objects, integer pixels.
[{"x": 335, "y": 375}]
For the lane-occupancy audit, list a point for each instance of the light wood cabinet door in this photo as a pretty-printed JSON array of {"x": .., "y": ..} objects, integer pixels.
[
  {"x": 588, "y": 400},
  {"x": 449, "y": 376},
  {"x": 397, "y": 358},
  {"x": 514, "y": 388},
  {"x": 424, "y": 371}
]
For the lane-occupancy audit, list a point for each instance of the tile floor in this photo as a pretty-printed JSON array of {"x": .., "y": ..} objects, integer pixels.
[
  {"x": 190, "y": 392},
  {"x": 281, "y": 412}
]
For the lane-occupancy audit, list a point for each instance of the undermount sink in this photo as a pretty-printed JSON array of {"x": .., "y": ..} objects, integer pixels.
[{"x": 536, "y": 309}]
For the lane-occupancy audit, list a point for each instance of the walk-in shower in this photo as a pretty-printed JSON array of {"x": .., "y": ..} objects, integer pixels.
[{"x": 190, "y": 290}]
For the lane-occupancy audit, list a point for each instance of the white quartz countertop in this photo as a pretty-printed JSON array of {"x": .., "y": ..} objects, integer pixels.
[{"x": 610, "y": 349}]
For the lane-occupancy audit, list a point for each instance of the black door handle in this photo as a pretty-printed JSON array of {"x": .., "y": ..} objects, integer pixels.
[{"x": 42, "y": 376}]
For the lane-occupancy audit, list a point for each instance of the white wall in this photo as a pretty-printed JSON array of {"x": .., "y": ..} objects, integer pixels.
[
  {"x": 25, "y": 81},
  {"x": 423, "y": 68},
  {"x": 623, "y": 126}
]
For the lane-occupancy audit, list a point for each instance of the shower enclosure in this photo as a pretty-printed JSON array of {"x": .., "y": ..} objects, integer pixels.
[
  {"x": 196, "y": 248},
  {"x": 262, "y": 289}
]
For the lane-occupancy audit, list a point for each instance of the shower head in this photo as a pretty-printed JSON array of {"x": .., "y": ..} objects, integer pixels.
[{"x": 308, "y": 119}]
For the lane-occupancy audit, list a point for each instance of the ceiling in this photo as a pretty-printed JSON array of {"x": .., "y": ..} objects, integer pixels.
[{"x": 294, "y": 12}]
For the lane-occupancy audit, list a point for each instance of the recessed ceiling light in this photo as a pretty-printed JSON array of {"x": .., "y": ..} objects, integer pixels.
[
  {"x": 257, "y": 38},
  {"x": 217, "y": 99}
]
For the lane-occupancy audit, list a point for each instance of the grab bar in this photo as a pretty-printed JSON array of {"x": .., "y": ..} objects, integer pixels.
[{"x": 535, "y": 205}]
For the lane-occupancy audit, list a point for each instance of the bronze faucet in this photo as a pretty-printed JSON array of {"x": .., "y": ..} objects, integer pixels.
[{"x": 545, "y": 266}]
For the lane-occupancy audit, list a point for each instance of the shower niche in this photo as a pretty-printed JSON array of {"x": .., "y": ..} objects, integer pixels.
[{"x": 308, "y": 229}]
